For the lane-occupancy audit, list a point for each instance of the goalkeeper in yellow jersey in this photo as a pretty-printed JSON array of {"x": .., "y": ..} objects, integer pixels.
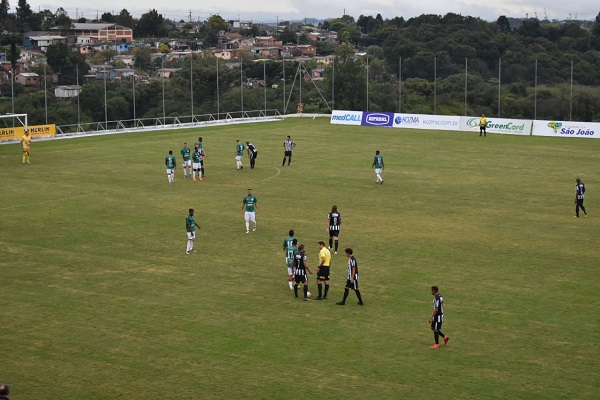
[{"x": 26, "y": 143}]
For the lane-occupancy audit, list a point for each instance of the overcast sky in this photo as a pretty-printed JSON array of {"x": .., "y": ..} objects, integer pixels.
[{"x": 269, "y": 10}]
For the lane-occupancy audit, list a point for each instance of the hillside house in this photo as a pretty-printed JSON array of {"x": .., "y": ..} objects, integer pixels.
[
  {"x": 28, "y": 79},
  {"x": 66, "y": 91}
]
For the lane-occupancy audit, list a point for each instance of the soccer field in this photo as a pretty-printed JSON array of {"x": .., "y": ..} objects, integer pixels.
[{"x": 100, "y": 301}]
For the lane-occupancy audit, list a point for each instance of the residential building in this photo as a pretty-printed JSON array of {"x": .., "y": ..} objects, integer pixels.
[
  {"x": 65, "y": 91},
  {"x": 28, "y": 79},
  {"x": 97, "y": 32}
]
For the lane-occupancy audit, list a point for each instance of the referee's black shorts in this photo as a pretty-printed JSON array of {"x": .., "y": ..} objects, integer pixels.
[{"x": 323, "y": 273}]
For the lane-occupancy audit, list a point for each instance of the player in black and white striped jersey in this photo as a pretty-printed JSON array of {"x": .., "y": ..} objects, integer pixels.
[
  {"x": 352, "y": 281},
  {"x": 437, "y": 317},
  {"x": 299, "y": 268},
  {"x": 579, "y": 195},
  {"x": 334, "y": 220},
  {"x": 288, "y": 146}
]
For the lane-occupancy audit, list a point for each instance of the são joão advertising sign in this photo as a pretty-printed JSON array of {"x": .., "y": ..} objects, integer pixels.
[
  {"x": 567, "y": 129},
  {"x": 342, "y": 117},
  {"x": 377, "y": 119},
  {"x": 498, "y": 125}
]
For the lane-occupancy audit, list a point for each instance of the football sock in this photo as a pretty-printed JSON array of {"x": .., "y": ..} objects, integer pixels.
[
  {"x": 247, "y": 225},
  {"x": 24, "y": 155},
  {"x": 305, "y": 291},
  {"x": 289, "y": 160},
  {"x": 436, "y": 336},
  {"x": 290, "y": 282},
  {"x": 379, "y": 177},
  {"x": 202, "y": 170},
  {"x": 336, "y": 245},
  {"x": 441, "y": 334},
  {"x": 326, "y": 289},
  {"x": 199, "y": 173},
  {"x": 358, "y": 295},
  {"x": 320, "y": 286},
  {"x": 296, "y": 289},
  {"x": 283, "y": 162},
  {"x": 330, "y": 242},
  {"x": 194, "y": 174},
  {"x": 345, "y": 295}
]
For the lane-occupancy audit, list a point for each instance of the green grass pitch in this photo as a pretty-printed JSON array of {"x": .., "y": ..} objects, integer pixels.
[{"x": 100, "y": 301}]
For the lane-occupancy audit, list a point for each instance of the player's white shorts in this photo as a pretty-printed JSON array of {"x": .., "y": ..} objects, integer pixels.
[
  {"x": 238, "y": 158},
  {"x": 170, "y": 171},
  {"x": 191, "y": 235},
  {"x": 196, "y": 165},
  {"x": 187, "y": 163},
  {"x": 289, "y": 270},
  {"x": 377, "y": 170},
  {"x": 250, "y": 216}
]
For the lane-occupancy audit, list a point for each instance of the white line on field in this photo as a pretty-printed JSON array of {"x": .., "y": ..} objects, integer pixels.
[{"x": 271, "y": 177}]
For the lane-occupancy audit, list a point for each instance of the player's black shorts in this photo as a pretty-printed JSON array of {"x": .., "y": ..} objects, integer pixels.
[
  {"x": 351, "y": 285},
  {"x": 253, "y": 155},
  {"x": 580, "y": 202},
  {"x": 300, "y": 278},
  {"x": 323, "y": 273},
  {"x": 436, "y": 325},
  {"x": 334, "y": 233},
  {"x": 287, "y": 153}
]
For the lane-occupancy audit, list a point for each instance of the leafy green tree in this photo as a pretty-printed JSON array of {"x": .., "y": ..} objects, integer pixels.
[
  {"x": 288, "y": 36},
  {"x": 350, "y": 80},
  {"x": 595, "y": 34},
  {"x": 503, "y": 24},
  {"x": 108, "y": 17},
  {"x": 4, "y": 7},
  {"x": 216, "y": 23},
  {"x": 62, "y": 20},
  {"x": 150, "y": 24},
  {"x": 125, "y": 19},
  {"x": 23, "y": 15}
]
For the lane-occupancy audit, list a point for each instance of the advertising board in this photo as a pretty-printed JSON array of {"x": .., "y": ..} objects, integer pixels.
[
  {"x": 342, "y": 117},
  {"x": 504, "y": 126},
  {"x": 424, "y": 121},
  {"x": 567, "y": 129}
]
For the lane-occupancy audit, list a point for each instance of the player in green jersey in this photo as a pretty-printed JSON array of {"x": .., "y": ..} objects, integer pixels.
[
  {"x": 196, "y": 158},
  {"x": 378, "y": 164},
  {"x": 239, "y": 153},
  {"x": 289, "y": 243},
  {"x": 187, "y": 160},
  {"x": 171, "y": 163},
  {"x": 249, "y": 208},
  {"x": 190, "y": 228},
  {"x": 199, "y": 143}
]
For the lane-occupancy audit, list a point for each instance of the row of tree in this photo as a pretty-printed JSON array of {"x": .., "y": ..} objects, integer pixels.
[{"x": 523, "y": 71}]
